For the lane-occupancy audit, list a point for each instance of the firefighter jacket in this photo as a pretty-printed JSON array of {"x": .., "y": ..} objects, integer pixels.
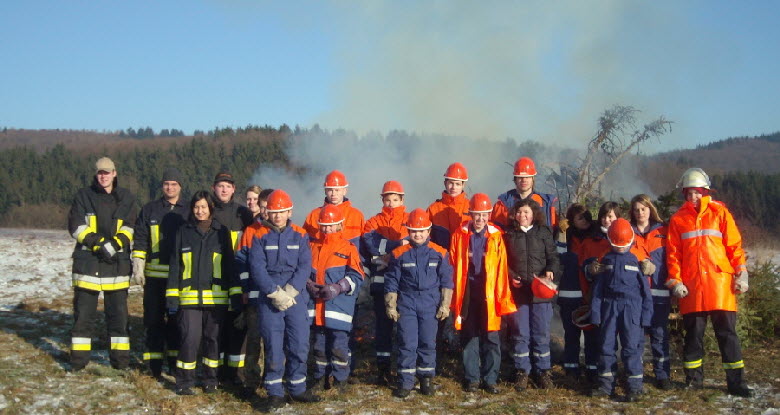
[
  {"x": 508, "y": 199},
  {"x": 246, "y": 284},
  {"x": 424, "y": 267},
  {"x": 278, "y": 257},
  {"x": 623, "y": 282},
  {"x": 155, "y": 231},
  {"x": 333, "y": 259},
  {"x": 352, "y": 226},
  {"x": 596, "y": 247},
  {"x": 652, "y": 245},
  {"x": 446, "y": 215},
  {"x": 96, "y": 217},
  {"x": 498, "y": 294},
  {"x": 704, "y": 251},
  {"x": 200, "y": 267},
  {"x": 234, "y": 217},
  {"x": 381, "y": 235},
  {"x": 573, "y": 283},
  {"x": 530, "y": 253}
]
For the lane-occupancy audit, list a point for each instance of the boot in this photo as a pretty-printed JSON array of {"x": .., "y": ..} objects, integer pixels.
[
  {"x": 694, "y": 378},
  {"x": 401, "y": 393},
  {"x": 383, "y": 376},
  {"x": 544, "y": 380},
  {"x": 426, "y": 388},
  {"x": 275, "y": 402},
  {"x": 736, "y": 385},
  {"x": 521, "y": 380},
  {"x": 318, "y": 384},
  {"x": 306, "y": 397}
]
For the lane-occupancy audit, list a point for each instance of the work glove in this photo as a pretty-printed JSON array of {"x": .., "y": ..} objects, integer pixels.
[
  {"x": 107, "y": 250},
  {"x": 647, "y": 267},
  {"x": 313, "y": 288},
  {"x": 330, "y": 291},
  {"x": 291, "y": 291},
  {"x": 138, "y": 271},
  {"x": 680, "y": 290},
  {"x": 391, "y": 306},
  {"x": 280, "y": 299},
  {"x": 595, "y": 267},
  {"x": 444, "y": 307},
  {"x": 741, "y": 282},
  {"x": 240, "y": 321}
]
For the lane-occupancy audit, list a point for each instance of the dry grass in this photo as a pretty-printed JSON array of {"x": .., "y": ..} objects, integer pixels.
[{"x": 33, "y": 380}]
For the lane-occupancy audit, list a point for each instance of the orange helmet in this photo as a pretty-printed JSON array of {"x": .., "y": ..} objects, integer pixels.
[
  {"x": 525, "y": 167},
  {"x": 392, "y": 186},
  {"x": 620, "y": 233},
  {"x": 279, "y": 201},
  {"x": 581, "y": 318},
  {"x": 330, "y": 215},
  {"x": 418, "y": 220},
  {"x": 456, "y": 171},
  {"x": 543, "y": 288},
  {"x": 336, "y": 180},
  {"x": 480, "y": 203}
]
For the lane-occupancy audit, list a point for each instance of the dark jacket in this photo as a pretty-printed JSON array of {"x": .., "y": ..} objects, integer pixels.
[
  {"x": 528, "y": 254},
  {"x": 155, "y": 231},
  {"x": 234, "y": 217},
  {"x": 96, "y": 217},
  {"x": 201, "y": 266}
]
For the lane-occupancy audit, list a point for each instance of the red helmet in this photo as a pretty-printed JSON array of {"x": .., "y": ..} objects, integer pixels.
[
  {"x": 620, "y": 233},
  {"x": 456, "y": 171},
  {"x": 543, "y": 288},
  {"x": 279, "y": 201},
  {"x": 330, "y": 215},
  {"x": 525, "y": 167},
  {"x": 581, "y": 318},
  {"x": 418, "y": 220},
  {"x": 480, "y": 203},
  {"x": 392, "y": 186},
  {"x": 336, "y": 180}
]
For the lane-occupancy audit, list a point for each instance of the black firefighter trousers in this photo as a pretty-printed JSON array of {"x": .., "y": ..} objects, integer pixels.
[
  {"x": 724, "y": 323},
  {"x": 84, "y": 310},
  {"x": 199, "y": 329},
  {"x": 160, "y": 327}
]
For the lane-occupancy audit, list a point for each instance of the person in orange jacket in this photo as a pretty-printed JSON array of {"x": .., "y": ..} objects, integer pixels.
[
  {"x": 481, "y": 295},
  {"x": 448, "y": 212},
  {"x": 706, "y": 266},
  {"x": 336, "y": 194},
  {"x": 524, "y": 173}
]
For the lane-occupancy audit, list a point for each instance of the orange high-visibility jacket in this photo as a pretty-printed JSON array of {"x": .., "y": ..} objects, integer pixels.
[
  {"x": 449, "y": 212},
  {"x": 704, "y": 251},
  {"x": 498, "y": 294},
  {"x": 352, "y": 227}
]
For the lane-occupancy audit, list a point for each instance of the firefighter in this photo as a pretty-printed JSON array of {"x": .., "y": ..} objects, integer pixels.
[
  {"x": 155, "y": 231},
  {"x": 279, "y": 265},
  {"x": 418, "y": 291},
  {"x": 452, "y": 209},
  {"x": 533, "y": 264},
  {"x": 201, "y": 265},
  {"x": 622, "y": 306},
  {"x": 336, "y": 187},
  {"x": 706, "y": 266},
  {"x": 235, "y": 218},
  {"x": 650, "y": 238},
  {"x": 337, "y": 275},
  {"x": 482, "y": 294},
  {"x": 524, "y": 172},
  {"x": 101, "y": 221},
  {"x": 384, "y": 232}
]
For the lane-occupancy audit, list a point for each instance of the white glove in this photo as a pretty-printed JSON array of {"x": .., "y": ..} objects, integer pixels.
[
  {"x": 391, "y": 306},
  {"x": 292, "y": 292},
  {"x": 741, "y": 282},
  {"x": 138, "y": 271},
  {"x": 647, "y": 267},
  {"x": 280, "y": 299},
  {"x": 680, "y": 290},
  {"x": 595, "y": 268}
]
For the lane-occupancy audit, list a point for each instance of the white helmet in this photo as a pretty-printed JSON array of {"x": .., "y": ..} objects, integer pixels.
[{"x": 694, "y": 177}]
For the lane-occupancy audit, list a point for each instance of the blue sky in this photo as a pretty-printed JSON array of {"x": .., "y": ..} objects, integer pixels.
[{"x": 494, "y": 69}]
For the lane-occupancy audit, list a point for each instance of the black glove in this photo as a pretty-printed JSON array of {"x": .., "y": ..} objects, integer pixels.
[
  {"x": 108, "y": 250},
  {"x": 313, "y": 288},
  {"x": 330, "y": 291}
]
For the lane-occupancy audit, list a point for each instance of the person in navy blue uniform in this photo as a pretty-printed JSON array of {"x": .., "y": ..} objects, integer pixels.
[
  {"x": 279, "y": 264},
  {"x": 418, "y": 291},
  {"x": 622, "y": 306}
]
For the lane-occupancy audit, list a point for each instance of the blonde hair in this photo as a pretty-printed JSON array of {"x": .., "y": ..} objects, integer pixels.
[{"x": 645, "y": 201}]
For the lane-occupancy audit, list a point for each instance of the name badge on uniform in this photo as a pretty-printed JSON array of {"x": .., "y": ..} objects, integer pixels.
[
  {"x": 186, "y": 248},
  {"x": 340, "y": 255},
  {"x": 408, "y": 264}
]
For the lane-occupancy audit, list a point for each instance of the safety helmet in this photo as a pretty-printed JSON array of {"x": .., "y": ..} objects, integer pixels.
[
  {"x": 418, "y": 220},
  {"x": 581, "y": 318},
  {"x": 525, "y": 167},
  {"x": 694, "y": 177},
  {"x": 620, "y": 233},
  {"x": 543, "y": 288},
  {"x": 330, "y": 215},
  {"x": 456, "y": 171},
  {"x": 392, "y": 187},
  {"x": 279, "y": 201},
  {"x": 335, "y": 180},
  {"x": 480, "y": 203}
]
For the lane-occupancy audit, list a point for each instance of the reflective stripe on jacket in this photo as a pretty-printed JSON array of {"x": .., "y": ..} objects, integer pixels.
[
  {"x": 652, "y": 244},
  {"x": 498, "y": 295},
  {"x": 277, "y": 258},
  {"x": 155, "y": 231},
  {"x": 704, "y": 251}
]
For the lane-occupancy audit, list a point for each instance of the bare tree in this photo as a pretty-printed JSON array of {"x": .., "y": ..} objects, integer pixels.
[{"x": 616, "y": 137}]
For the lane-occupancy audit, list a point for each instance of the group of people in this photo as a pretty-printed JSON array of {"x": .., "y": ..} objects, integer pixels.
[{"x": 227, "y": 283}]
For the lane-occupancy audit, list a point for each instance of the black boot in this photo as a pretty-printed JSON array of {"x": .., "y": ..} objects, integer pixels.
[
  {"x": 383, "y": 375},
  {"x": 544, "y": 380},
  {"x": 521, "y": 380},
  {"x": 694, "y": 378},
  {"x": 426, "y": 387},
  {"x": 401, "y": 393},
  {"x": 306, "y": 397}
]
